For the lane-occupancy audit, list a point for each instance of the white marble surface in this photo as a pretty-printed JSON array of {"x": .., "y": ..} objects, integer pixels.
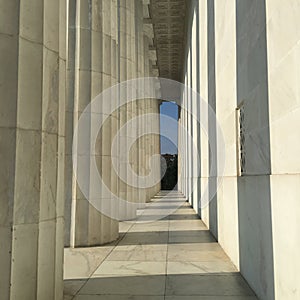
[
  {"x": 82, "y": 262},
  {"x": 285, "y": 206},
  {"x": 155, "y": 261}
]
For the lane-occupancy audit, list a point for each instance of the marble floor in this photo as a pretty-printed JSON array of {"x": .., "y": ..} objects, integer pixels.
[{"x": 167, "y": 254}]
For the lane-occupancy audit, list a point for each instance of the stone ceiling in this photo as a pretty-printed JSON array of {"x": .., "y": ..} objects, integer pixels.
[{"x": 168, "y": 19}]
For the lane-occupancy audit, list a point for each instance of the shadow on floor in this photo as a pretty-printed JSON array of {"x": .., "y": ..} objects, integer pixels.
[
  {"x": 180, "y": 286},
  {"x": 176, "y": 258},
  {"x": 147, "y": 219},
  {"x": 175, "y": 206},
  {"x": 172, "y": 218},
  {"x": 164, "y": 237}
]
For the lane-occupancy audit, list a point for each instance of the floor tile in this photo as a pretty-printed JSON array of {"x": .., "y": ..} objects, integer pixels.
[
  {"x": 124, "y": 226},
  {"x": 196, "y": 255},
  {"x": 210, "y": 298},
  {"x": 140, "y": 247},
  {"x": 130, "y": 268},
  {"x": 126, "y": 285},
  {"x": 138, "y": 238},
  {"x": 200, "y": 238},
  {"x": 173, "y": 258},
  {"x": 150, "y": 228},
  {"x": 82, "y": 262},
  {"x": 196, "y": 247},
  {"x": 71, "y": 287},
  {"x": 117, "y": 297},
  {"x": 184, "y": 267},
  {"x": 138, "y": 255},
  {"x": 192, "y": 232},
  {"x": 213, "y": 285}
]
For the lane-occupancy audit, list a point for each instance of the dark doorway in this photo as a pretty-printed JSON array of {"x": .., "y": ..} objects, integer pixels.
[
  {"x": 170, "y": 166},
  {"x": 169, "y": 145}
]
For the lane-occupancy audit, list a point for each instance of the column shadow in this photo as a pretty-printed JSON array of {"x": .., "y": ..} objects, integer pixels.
[
  {"x": 212, "y": 128},
  {"x": 254, "y": 197},
  {"x": 159, "y": 287}
]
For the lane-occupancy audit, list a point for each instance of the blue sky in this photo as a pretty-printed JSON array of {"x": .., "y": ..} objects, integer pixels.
[{"x": 169, "y": 109}]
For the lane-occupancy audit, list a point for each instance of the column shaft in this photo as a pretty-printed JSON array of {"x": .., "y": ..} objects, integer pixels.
[
  {"x": 95, "y": 71},
  {"x": 32, "y": 81}
]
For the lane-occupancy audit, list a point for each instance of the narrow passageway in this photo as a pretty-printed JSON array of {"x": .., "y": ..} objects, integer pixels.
[{"x": 175, "y": 257}]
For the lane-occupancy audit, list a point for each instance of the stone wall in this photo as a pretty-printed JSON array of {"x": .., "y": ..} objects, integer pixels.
[
  {"x": 283, "y": 49},
  {"x": 246, "y": 69}
]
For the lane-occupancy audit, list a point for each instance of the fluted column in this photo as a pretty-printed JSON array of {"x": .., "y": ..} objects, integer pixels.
[
  {"x": 150, "y": 135},
  {"x": 154, "y": 148},
  {"x": 190, "y": 128},
  {"x": 82, "y": 83},
  {"x": 183, "y": 145},
  {"x": 179, "y": 183},
  {"x": 95, "y": 54},
  {"x": 134, "y": 163},
  {"x": 32, "y": 79},
  {"x": 69, "y": 121},
  {"x": 152, "y": 104},
  {"x": 186, "y": 140},
  {"x": 122, "y": 186},
  {"x": 195, "y": 124},
  {"x": 141, "y": 103},
  {"x": 146, "y": 111},
  {"x": 115, "y": 119},
  {"x": 128, "y": 111},
  {"x": 105, "y": 28},
  {"x": 157, "y": 186},
  {"x": 130, "y": 72}
]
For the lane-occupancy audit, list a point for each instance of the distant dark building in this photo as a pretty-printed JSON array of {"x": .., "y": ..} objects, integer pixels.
[{"x": 170, "y": 165}]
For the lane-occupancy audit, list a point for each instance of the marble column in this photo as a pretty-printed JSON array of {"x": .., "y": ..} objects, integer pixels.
[
  {"x": 180, "y": 150},
  {"x": 146, "y": 111},
  {"x": 127, "y": 111},
  {"x": 179, "y": 183},
  {"x": 32, "y": 80},
  {"x": 115, "y": 118},
  {"x": 187, "y": 140},
  {"x": 122, "y": 186},
  {"x": 154, "y": 142},
  {"x": 135, "y": 22},
  {"x": 95, "y": 71},
  {"x": 140, "y": 103},
  {"x": 183, "y": 144},
  {"x": 195, "y": 103},
  {"x": 157, "y": 145},
  {"x": 203, "y": 74},
  {"x": 151, "y": 107},
  {"x": 150, "y": 145},
  {"x": 129, "y": 106},
  {"x": 189, "y": 126},
  {"x": 69, "y": 119},
  {"x": 106, "y": 34}
]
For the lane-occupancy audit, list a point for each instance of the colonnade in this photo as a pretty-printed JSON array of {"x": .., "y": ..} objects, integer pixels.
[
  {"x": 189, "y": 122},
  {"x": 56, "y": 57},
  {"x": 110, "y": 46},
  {"x": 241, "y": 57}
]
